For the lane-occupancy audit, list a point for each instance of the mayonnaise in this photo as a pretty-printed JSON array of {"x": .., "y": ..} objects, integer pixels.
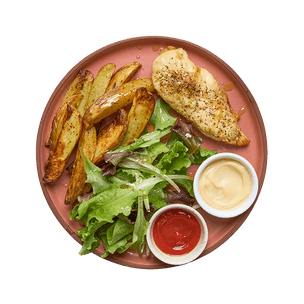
[{"x": 225, "y": 184}]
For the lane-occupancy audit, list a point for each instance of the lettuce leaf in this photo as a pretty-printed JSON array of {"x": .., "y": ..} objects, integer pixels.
[
  {"x": 118, "y": 230},
  {"x": 87, "y": 235},
  {"x": 144, "y": 141},
  {"x": 125, "y": 176},
  {"x": 94, "y": 175},
  {"x": 161, "y": 119},
  {"x": 140, "y": 228},
  {"x": 136, "y": 163},
  {"x": 143, "y": 170},
  {"x": 185, "y": 131},
  {"x": 149, "y": 154},
  {"x": 121, "y": 245},
  {"x": 175, "y": 159},
  {"x": 110, "y": 202},
  {"x": 107, "y": 204},
  {"x": 116, "y": 236},
  {"x": 157, "y": 196},
  {"x": 185, "y": 183},
  {"x": 202, "y": 155}
]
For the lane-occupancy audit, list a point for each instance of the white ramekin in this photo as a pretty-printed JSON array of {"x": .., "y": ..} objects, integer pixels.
[
  {"x": 178, "y": 259},
  {"x": 242, "y": 208}
]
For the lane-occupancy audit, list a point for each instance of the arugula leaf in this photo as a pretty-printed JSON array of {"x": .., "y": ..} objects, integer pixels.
[
  {"x": 94, "y": 175},
  {"x": 161, "y": 119}
]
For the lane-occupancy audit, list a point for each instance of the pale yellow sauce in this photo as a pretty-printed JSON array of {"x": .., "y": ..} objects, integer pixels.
[{"x": 225, "y": 184}]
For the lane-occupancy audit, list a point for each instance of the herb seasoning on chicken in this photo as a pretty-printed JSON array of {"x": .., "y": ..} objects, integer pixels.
[{"x": 194, "y": 93}]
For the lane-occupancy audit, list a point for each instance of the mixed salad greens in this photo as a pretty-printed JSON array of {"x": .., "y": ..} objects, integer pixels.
[{"x": 136, "y": 181}]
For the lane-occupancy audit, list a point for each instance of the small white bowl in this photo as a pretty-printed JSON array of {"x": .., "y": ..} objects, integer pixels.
[
  {"x": 178, "y": 259},
  {"x": 242, "y": 208}
]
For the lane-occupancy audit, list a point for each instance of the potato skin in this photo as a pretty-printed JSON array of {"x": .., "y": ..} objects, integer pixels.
[
  {"x": 114, "y": 100},
  {"x": 111, "y": 137},
  {"x": 139, "y": 115},
  {"x": 74, "y": 89},
  {"x": 92, "y": 89},
  {"x": 94, "y": 148},
  {"x": 100, "y": 83},
  {"x": 67, "y": 141},
  {"x": 77, "y": 183},
  {"x": 85, "y": 91},
  {"x": 123, "y": 75},
  {"x": 60, "y": 119},
  {"x": 86, "y": 102}
]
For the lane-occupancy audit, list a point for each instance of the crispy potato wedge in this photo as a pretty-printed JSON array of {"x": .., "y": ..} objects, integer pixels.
[
  {"x": 66, "y": 143},
  {"x": 60, "y": 118},
  {"x": 74, "y": 89},
  {"x": 111, "y": 137},
  {"x": 77, "y": 183},
  {"x": 139, "y": 115},
  {"x": 101, "y": 82},
  {"x": 85, "y": 91},
  {"x": 123, "y": 75},
  {"x": 114, "y": 100}
]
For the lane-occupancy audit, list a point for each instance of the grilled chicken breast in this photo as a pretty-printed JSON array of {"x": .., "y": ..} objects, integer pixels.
[{"x": 195, "y": 94}]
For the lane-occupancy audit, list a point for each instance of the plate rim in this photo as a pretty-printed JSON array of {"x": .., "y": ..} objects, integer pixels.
[{"x": 89, "y": 57}]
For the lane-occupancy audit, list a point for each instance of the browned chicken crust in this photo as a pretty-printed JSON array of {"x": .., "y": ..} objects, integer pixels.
[{"x": 194, "y": 93}]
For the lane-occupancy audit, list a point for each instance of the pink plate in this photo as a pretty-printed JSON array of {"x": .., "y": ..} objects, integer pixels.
[{"x": 145, "y": 50}]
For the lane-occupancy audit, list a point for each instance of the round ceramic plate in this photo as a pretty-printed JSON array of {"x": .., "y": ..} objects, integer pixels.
[{"x": 145, "y": 50}]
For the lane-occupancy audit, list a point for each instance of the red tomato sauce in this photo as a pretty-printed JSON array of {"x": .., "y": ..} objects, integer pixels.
[{"x": 176, "y": 232}]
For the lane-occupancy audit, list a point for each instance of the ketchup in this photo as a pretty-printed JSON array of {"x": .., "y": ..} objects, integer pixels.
[{"x": 176, "y": 232}]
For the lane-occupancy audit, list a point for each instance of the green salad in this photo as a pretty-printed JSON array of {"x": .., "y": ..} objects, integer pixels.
[{"x": 136, "y": 181}]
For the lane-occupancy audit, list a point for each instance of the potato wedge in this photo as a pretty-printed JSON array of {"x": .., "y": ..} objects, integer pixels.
[
  {"x": 60, "y": 118},
  {"x": 85, "y": 91},
  {"x": 74, "y": 89},
  {"x": 139, "y": 115},
  {"x": 123, "y": 75},
  {"x": 66, "y": 142},
  {"x": 114, "y": 100},
  {"x": 78, "y": 178},
  {"x": 111, "y": 137},
  {"x": 101, "y": 82}
]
